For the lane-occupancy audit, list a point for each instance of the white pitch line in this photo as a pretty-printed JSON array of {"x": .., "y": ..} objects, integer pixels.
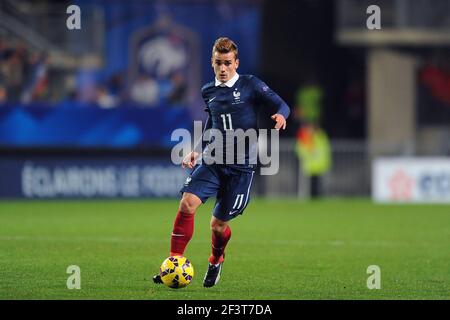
[{"x": 333, "y": 243}]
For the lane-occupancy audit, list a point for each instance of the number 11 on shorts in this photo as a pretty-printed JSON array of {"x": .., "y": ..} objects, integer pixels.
[{"x": 238, "y": 202}]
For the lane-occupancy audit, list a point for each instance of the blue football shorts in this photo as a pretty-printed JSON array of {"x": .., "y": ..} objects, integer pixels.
[{"x": 230, "y": 186}]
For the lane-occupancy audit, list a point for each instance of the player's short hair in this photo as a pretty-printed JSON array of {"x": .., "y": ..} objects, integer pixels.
[{"x": 225, "y": 45}]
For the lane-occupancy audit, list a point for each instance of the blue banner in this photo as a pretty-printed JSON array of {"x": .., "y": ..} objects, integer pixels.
[
  {"x": 89, "y": 177},
  {"x": 75, "y": 126}
]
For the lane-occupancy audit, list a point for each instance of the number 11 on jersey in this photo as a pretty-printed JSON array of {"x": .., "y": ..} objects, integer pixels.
[{"x": 224, "y": 119}]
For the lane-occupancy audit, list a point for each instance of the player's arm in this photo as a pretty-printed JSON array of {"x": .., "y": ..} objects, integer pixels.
[
  {"x": 191, "y": 158},
  {"x": 270, "y": 98}
]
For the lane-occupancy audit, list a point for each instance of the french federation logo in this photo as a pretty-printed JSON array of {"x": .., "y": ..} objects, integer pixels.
[
  {"x": 188, "y": 179},
  {"x": 236, "y": 94},
  {"x": 237, "y": 97}
]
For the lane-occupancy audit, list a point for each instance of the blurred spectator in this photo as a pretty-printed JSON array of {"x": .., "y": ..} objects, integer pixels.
[
  {"x": 3, "y": 94},
  {"x": 23, "y": 73},
  {"x": 437, "y": 80},
  {"x": 116, "y": 86},
  {"x": 12, "y": 69},
  {"x": 36, "y": 85},
  {"x": 86, "y": 85},
  {"x": 308, "y": 101},
  {"x": 312, "y": 143},
  {"x": 3, "y": 48},
  {"x": 24, "y": 78},
  {"x": 314, "y": 151},
  {"x": 354, "y": 98},
  {"x": 354, "y": 107},
  {"x": 179, "y": 88},
  {"x": 105, "y": 99},
  {"x": 145, "y": 91}
]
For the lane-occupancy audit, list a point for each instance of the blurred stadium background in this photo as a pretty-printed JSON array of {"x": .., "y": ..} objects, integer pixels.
[
  {"x": 96, "y": 106},
  {"x": 89, "y": 113}
]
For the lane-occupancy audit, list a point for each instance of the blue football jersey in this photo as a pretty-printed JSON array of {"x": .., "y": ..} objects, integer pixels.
[{"x": 236, "y": 107}]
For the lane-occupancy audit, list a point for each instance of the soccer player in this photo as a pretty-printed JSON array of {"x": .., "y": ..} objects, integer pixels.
[{"x": 232, "y": 102}]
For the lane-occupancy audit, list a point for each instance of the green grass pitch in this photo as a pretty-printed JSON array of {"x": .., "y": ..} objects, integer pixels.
[{"x": 280, "y": 249}]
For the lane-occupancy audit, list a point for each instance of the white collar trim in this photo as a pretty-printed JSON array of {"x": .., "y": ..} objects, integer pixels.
[{"x": 229, "y": 83}]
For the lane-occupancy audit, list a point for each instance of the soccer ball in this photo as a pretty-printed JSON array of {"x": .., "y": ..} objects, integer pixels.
[{"x": 176, "y": 272}]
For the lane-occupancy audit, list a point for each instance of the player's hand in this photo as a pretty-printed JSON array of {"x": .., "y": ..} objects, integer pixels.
[
  {"x": 280, "y": 121},
  {"x": 190, "y": 160}
]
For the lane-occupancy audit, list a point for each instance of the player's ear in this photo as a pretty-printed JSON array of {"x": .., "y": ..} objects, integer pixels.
[{"x": 237, "y": 63}]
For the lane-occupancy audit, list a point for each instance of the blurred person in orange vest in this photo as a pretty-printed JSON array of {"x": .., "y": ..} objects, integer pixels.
[{"x": 312, "y": 143}]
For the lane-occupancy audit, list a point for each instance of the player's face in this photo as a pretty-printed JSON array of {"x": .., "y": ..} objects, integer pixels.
[{"x": 224, "y": 65}]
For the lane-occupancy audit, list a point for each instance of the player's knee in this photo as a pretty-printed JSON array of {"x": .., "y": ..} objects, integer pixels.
[
  {"x": 189, "y": 204},
  {"x": 218, "y": 227}
]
